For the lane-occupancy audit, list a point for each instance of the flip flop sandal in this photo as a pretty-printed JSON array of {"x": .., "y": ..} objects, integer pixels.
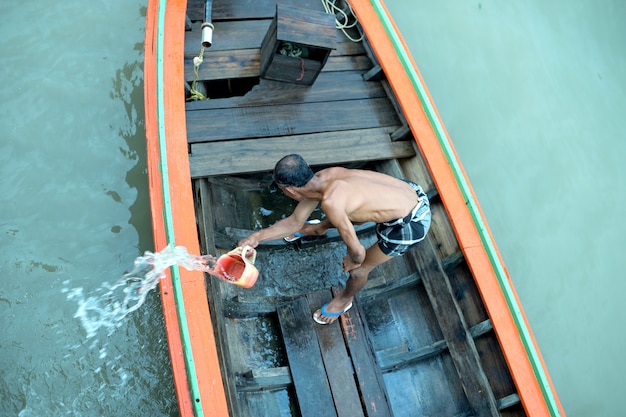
[
  {"x": 325, "y": 313},
  {"x": 297, "y": 235}
]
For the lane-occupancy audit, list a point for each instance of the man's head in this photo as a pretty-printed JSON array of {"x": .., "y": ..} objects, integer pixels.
[{"x": 292, "y": 170}]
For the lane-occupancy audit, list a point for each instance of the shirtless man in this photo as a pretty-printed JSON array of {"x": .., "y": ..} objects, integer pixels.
[{"x": 400, "y": 209}]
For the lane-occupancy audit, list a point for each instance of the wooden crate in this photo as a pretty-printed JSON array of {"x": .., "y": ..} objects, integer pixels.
[{"x": 297, "y": 45}]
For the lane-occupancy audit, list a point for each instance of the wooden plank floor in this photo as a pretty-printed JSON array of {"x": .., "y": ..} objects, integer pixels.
[
  {"x": 333, "y": 360},
  {"x": 409, "y": 333},
  {"x": 305, "y": 359}
]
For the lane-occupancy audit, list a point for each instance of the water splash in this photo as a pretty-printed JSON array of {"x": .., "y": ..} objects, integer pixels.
[{"x": 109, "y": 305}]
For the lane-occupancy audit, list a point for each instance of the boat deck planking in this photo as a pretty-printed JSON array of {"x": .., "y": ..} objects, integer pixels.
[
  {"x": 418, "y": 340},
  {"x": 395, "y": 304},
  {"x": 243, "y": 10},
  {"x": 339, "y": 110}
]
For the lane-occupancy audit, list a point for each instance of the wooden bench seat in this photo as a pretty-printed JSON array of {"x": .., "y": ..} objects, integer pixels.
[{"x": 253, "y": 155}]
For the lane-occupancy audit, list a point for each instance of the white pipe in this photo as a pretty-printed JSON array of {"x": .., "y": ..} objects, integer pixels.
[{"x": 207, "y": 34}]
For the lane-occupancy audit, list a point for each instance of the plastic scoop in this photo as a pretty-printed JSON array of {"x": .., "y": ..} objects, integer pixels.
[{"x": 237, "y": 267}]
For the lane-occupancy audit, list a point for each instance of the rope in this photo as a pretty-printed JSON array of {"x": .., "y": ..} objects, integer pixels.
[
  {"x": 331, "y": 8},
  {"x": 195, "y": 94}
]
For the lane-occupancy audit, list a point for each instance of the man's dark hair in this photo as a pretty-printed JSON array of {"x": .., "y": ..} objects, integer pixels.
[{"x": 292, "y": 170}]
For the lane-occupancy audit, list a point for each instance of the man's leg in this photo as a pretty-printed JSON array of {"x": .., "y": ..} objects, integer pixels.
[{"x": 357, "y": 280}]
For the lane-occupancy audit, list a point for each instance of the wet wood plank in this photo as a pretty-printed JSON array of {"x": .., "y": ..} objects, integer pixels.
[
  {"x": 234, "y": 309},
  {"x": 203, "y": 209},
  {"x": 305, "y": 360},
  {"x": 369, "y": 377},
  {"x": 264, "y": 379},
  {"x": 336, "y": 361},
  {"x": 456, "y": 332},
  {"x": 253, "y": 155}
]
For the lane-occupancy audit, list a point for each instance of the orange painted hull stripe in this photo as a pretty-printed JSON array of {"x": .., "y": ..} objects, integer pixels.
[{"x": 205, "y": 357}]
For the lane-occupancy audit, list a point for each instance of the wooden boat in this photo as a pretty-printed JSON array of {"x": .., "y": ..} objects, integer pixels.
[{"x": 439, "y": 331}]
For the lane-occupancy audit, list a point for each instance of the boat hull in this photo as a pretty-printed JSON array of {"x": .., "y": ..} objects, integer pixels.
[{"x": 208, "y": 165}]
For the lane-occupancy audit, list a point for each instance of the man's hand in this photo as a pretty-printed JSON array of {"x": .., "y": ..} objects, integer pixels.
[
  {"x": 349, "y": 264},
  {"x": 248, "y": 241}
]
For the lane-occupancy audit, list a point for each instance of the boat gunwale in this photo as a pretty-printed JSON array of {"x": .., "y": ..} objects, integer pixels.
[
  {"x": 173, "y": 214},
  {"x": 527, "y": 367}
]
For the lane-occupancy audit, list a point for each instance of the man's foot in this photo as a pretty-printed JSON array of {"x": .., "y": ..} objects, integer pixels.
[{"x": 322, "y": 316}]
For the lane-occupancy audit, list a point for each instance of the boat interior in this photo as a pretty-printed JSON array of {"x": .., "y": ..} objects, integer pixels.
[{"x": 418, "y": 340}]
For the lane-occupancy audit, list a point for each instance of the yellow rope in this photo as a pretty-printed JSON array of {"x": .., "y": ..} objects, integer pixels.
[
  {"x": 329, "y": 6},
  {"x": 195, "y": 94}
]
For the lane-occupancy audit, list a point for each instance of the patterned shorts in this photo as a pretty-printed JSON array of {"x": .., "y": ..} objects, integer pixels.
[{"x": 398, "y": 236}]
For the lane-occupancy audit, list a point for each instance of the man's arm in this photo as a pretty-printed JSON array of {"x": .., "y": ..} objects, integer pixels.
[
  {"x": 285, "y": 227},
  {"x": 356, "y": 251},
  {"x": 335, "y": 208}
]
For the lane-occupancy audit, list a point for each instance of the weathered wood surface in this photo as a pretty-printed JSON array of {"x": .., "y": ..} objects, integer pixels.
[
  {"x": 246, "y": 9},
  {"x": 254, "y": 155},
  {"x": 371, "y": 384},
  {"x": 288, "y": 119},
  {"x": 336, "y": 361},
  {"x": 305, "y": 359},
  {"x": 227, "y": 36},
  {"x": 456, "y": 332},
  {"x": 241, "y": 63},
  {"x": 236, "y": 51},
  {"x": 268, "y": 92},
  {"x": 264, "y": 379},
  {"x": 400, "y": 356},
  {"x": 304, "y": 26},
  {"x": 393, "y": 283}
]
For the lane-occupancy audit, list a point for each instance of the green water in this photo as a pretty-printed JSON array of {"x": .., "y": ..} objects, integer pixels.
[
  {"x": 533, "y": 95},
  {"x": 74, "y": 210}
]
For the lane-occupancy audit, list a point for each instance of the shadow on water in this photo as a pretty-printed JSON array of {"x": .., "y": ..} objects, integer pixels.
[{"x": 128, "y": 88}]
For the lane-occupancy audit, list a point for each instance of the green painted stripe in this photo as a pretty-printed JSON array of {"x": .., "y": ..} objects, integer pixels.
[
  {"x": 473, "y": 208},
  {"x": 168, "y": 220}
]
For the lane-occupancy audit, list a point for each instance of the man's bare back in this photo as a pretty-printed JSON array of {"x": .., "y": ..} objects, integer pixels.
[{"x": 369, "y": 196}]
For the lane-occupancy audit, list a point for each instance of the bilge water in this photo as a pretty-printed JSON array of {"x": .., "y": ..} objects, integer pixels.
[{"x": 105, "y": 309}]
